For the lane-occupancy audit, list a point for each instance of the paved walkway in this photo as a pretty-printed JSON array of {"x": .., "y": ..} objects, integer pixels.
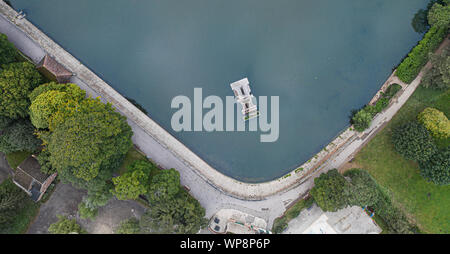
[{"x": 210, "y": 197}]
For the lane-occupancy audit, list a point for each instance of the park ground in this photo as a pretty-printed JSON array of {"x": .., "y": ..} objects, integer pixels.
[{"x": 425, "y": 203}]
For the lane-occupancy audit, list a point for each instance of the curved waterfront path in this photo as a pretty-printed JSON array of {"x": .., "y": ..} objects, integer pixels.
[{"x": 213, "y": 190}]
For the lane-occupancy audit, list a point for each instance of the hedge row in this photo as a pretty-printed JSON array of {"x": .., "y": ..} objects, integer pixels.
[{"x": 408, "y": 70}]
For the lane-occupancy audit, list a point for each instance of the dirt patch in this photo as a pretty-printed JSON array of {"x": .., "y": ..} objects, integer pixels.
[{"x": 347, "y": 166}]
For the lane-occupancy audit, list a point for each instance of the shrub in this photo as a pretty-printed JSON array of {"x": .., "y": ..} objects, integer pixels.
[
  {"x": 437, "y": 169},
  {"x": 86, "y": 212},
  {"x": 438, "y": 76},
  {"x": 408, "y": 70},
  {"x": 413, "y": 141},
  {"x": 363, "y": 188},
  {"x": 436, "y": 122},
  {"x": 129, "y": 226},
  {"x": 392, "y": 90},
  {"x": 65, "y": 226}
]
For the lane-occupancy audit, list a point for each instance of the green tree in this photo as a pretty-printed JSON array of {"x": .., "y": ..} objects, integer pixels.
[
  {"x": 19, "y": 136},
  {"x": 8, "y": 52},
  {"x": 65, "y": 226},
  {"x": 362, "y": 120},
  {"x": 5, "y": 122},
  {"x": 331, "y": 191},
  {"x": 438, "y": 76},
  {"x": 17, "y": 80},
  {"x": 92, "y": 138},
  {"x": 44, "y": 160},
  {"x": 181, "y": 214},
  {"x": 420, "y": 21},
  {"x": 436, "y": 122},
  {"x": 129, "y": 226},
  {"x": 47, "y": 103},
  {"x": 86, "y": 212},
  {"x": 11, "y": 200},
  {"x": 437, "y": 169},
  {"x": 439, "y": 15},
  {"x": 164, "y": 185},
  {"x": 413, "y": 141},
  {"x": 130, "y": 185}
]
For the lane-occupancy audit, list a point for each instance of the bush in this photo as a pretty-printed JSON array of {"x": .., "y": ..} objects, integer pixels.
[
  {"x": 413, "y": 141},
  {"x": 437, "y": 169},
  {"x": 392, "y": 90},
  {"x": 130, "y": 226},
  {"x": 86, "y": 212},
  {"x": 408, "y": 70},
  {"x": 436, "y": 122},
  {"x": 65, "y": 226}
]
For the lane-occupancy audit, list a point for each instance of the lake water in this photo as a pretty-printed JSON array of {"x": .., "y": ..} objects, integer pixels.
[{"x": 323, "y": 58}]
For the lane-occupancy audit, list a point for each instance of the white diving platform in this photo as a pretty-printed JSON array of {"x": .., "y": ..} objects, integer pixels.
[{"x": 243, "y": 95}]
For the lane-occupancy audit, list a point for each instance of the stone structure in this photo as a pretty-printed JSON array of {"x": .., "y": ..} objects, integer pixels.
[
  {"x": 244, "y": 96},
  {"x": 52, "y": 70},
  {"x": 28, "y": 177}
]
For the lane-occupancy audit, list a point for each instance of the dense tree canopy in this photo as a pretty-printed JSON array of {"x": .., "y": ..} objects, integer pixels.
[
  {"x": 65, "y": 226},
  {"x": 19, "y": 136},
  {"x": 17, "y": 80},
  {"x": 437, "y": 169},
  {"x": 181, "y": 214},
  {"x": 439, "y": 15},
  {"x": 130, "y": 185},
  {"x": 331, "y": 191},
  {"x": 11, "y": 200},
  {"x": 438, "y": 76},
  {"x": 8, "y": 52},
  {"x": 413, "y": 141},
  {"x": 45, "y": 103},
  {"x": 91, "y": 138},
  {"x": 134, "y": 182},
  {"x": 164, "y": 185}
]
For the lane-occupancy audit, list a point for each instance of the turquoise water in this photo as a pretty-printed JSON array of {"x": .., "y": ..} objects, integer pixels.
[{"x": 323, "y": 58}]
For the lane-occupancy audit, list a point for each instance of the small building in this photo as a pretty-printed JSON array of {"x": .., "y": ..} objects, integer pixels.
[
  {"x": 236, "y": 222},
  {"x": 53, "y": 70},
  {"x": 28, "y": 177},
  {"x": 243, "y": 95}
]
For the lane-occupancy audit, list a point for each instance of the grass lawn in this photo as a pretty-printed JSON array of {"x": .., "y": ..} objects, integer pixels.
[
  {"x": 427, "y": 204},
  {"x": 14, "y": 159},
  {"x": 132, "y": 156}
]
